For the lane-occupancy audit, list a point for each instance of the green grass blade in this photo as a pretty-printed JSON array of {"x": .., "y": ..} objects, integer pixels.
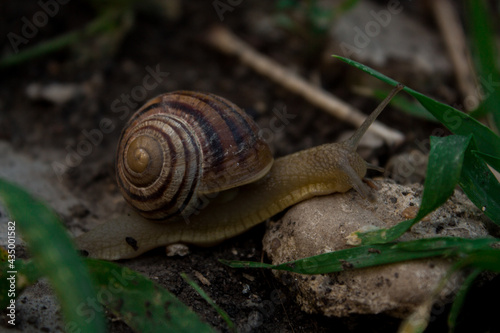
[
  {"x": 245, "y": 264},
  {"x": 443, "y": 174},
  {"x": 485, "y": 54},
  {"x": 53, "y": 254},
  {"x": 139, "y": 302},
  {"x": 443, "y": 171},
  {"x": 409, "y": 107},
  {"x": 456, "y": 121},
  {"x": 476, "y": 180},
  {"x": 217, "y": 308},
  {"x": 460, "y": 123},
  {"x": 480, "y": 185},
  {"x": 102, "y": 24},
  {"x": 378, "y": 254},
  {"x": 485, "y": 259},
  {"x": 460, "y": 298},
  {"x": 41, "y": 49},
  {"x": 492, "y": 161}
]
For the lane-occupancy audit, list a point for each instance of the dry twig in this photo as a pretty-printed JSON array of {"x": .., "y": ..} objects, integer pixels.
[
  {"x": 223, "y": 40},
  {"x": 454, "y": 37}
]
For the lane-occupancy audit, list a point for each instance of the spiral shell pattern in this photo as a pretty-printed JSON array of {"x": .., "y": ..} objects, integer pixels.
[{"x": 182, "y": 145}]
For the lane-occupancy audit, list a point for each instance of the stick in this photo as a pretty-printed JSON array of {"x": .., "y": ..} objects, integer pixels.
[
  {"x": 454, "y": 38},
  {"x": 223, "y": 40}
]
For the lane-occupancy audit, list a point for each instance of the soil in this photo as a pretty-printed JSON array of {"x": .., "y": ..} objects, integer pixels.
[{"x": 105, "y": 70}]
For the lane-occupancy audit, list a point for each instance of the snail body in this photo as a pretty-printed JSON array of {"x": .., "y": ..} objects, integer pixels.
[{"x": 249, "y": 191}]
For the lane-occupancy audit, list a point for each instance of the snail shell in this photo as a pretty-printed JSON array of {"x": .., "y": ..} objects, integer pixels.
[{"x": 182, "y": 145}]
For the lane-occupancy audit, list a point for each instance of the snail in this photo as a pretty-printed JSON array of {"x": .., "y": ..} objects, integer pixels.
[{"x": 196, "y": 171}]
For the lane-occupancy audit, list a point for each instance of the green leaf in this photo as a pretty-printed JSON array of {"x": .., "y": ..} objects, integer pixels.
[
  {"x": 460, "y": 298},
  {"x": 456, "y": 121},
  {"x": 485, "y": 54},
  {"x": 139, "y": 302},
  {"x": 106, "y": 23},
  {"x": 460, "y": 123},
  {"x": 378, "y": 254},
  {"x": 480, "y": 185},
  {"x": 476, "y": 180},
  {"x": 484, "y": 259},
  {"x": 53, "y": 254},
  {"x": 443, "y": 174},
  {"x": 492, "y": 161},
  {"x": 410, "y": 107}
]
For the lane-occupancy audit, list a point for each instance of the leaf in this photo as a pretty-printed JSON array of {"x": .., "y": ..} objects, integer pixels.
[
  {"x": 476, "y": 180},
  {"x": 378, "y": 254},
  {"x": 492, "y": 161},
  {"x": 460, "y": 298},
  {"x": 53, "y": 254},
  {"x": 410, "y": 107},
  {"x": 480, "y": 185},
  {"x": 139, "y": 302},
  {"x": 456, "y": 121},
  {"x": 443, "y": 174},
  {"x": 485, "y": 54}
]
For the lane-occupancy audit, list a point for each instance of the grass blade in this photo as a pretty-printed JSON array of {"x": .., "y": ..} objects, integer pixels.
[
  {"x": 456, "y": 121},
  {"x": 443, "y": 174},
  {"x": 485, "y": 259},
  {"x": 141, "y": 303},
  {"x": 476, "y": 180},
  {"x": 461, "y": 124},
  {"x": 485, "y": 55},
  {"x": 492, "y": 161},
  {"x": 378, "y": 254},
  {"x": 480, "y": 185},
  {"x": 101, "y": 25},
  {"x": 409, "y": 107},
  {"x": 460, "y": 298},
  {"x": 217, "y": 308},
  {"x": 53, "y": 254}
]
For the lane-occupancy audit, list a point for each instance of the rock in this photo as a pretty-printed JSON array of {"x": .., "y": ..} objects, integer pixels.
[
  {"x": 322, "y": 224},
  {"x": 378, "y": 35},
  {"x": 408, "y": 167},
  {"x": 39, "y": 179},
  {"x": 57, "y": 93},
  {"x": 37, "y": 310},
  {"x": 180, "y": 250}
]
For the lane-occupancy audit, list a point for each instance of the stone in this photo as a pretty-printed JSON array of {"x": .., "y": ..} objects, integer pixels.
[{"x": 323, "y": 224}]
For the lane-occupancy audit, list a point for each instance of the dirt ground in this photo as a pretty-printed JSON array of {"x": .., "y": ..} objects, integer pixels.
[{"x": 107, "y": 72}]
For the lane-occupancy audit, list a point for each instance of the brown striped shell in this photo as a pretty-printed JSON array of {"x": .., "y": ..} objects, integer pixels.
[{"x": 184, "y": 144}]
